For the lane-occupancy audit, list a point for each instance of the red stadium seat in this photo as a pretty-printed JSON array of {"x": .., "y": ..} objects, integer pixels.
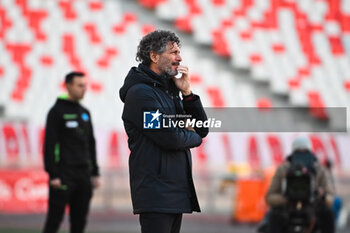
[
  {"x": 184, "y": 24},
  {"x": 246, "y": 35},
  {"x": 148, "y": 28},
  {"x": 317, "y": 107},
  {"x": 5, "y": 22},
  {"x": 215, "y": 96},
  {"x": 2, "y": 71},
  {"x": 294, "y": 83},
  {"x": 35, "y": 19},
  {"x": 69, "y": 49},
  {"x": 96, "y": 87},
  {"x": 105, "y": 60},
  {"x": 264, "y": 103},
  {"x": 151, "y": 4},
  {"x": 336, "y": 46},
  {"x": 67, "y": 44},
  {"x": 96, "y": 5},
  {"x": 19, "y": 53},
  {"x": 278, "y": 48},
  {"x": 304, "y": 72},
  {"x": 11, "y": 142},
  {"x": 220, "y": 46},
  {"x": 67, "y": 10},
  {"x": 129, "y": 18},
  {"x": 227, "y": 23},
  {"x": 256, "y": 59},
  {"x": 347, "y": 85},
  {"x": 92, "y": 32},
  {"x": 119, "y": 29},
  {"x": 46, "y": 60},
  {"x": 345, "y": 23},
  {"x": 195, "y": 79},
  {"x": 218, "y": 3}
]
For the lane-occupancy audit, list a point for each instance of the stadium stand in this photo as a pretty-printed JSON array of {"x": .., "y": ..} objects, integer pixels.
[
  {"x": 298, "y": 53},
  {"x": 42, "y": 40},
  {"x": 298, "y": 47}
]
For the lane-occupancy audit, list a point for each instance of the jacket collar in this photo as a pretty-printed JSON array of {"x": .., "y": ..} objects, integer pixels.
[
  {"x": 161, "y": 79},
  {"x": 63, "y": 98}
]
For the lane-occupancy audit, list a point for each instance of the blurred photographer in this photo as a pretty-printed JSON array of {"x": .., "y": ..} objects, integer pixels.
[{"x": 301, "y": 193}]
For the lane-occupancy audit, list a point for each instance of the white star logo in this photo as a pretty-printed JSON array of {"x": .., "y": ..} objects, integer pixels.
[{"x": 156, "y": 115}]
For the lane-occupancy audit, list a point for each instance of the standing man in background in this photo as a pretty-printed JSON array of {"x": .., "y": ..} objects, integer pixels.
[
  {"x": 160, "y": 163},
  {"x": 70, "y": 157}
]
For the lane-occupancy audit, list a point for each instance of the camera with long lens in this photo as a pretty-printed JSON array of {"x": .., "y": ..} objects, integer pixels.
[{"x": 300, "y": 192}]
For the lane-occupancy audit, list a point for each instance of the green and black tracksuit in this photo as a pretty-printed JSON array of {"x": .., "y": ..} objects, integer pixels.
[{"x": 69, "y": 154}]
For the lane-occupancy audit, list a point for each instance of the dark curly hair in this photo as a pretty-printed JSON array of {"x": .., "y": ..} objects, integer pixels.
[{"x": 155, "y": 41}]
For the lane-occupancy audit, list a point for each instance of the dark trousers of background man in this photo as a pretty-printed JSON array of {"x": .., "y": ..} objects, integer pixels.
[
  {"x": 76, "y": 192},
  {"x": 160, "y": 223}
]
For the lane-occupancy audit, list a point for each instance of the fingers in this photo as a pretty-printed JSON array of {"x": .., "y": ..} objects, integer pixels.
[
  {"x": 96, "y": 182},
  {"x": 56, "y": 183},
  {"x": 183, "y": 82},
  {"x": 182, "y": 69},
  {"x": 56, "y": 186},
  {"x": 190, "y": 128}
]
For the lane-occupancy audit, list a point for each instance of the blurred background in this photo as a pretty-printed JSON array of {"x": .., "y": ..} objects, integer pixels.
[{"x": 241, "y": 53}]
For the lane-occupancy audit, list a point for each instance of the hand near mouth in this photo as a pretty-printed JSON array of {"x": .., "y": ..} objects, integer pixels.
[{"x": 183, "y": 83}]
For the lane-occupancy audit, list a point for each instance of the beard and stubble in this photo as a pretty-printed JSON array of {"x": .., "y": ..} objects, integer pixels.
[{"x": 167, "y": 67}]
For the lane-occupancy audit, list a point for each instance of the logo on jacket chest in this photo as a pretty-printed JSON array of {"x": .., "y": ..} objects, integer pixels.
[
  {"x": 72, "y": 124},
  {"x": 85, "y": 116}
]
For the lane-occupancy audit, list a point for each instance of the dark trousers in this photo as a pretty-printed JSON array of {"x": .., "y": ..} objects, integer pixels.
[
  {"x": 160, "y": 223},
  {"x": 278, "y": 220},
  {"x": 75, "y": 192}
]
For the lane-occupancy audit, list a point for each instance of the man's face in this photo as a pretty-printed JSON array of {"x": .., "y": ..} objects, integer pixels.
[
  {"x": 77, "y": 88},
  {"x": 170, "y": 60}
]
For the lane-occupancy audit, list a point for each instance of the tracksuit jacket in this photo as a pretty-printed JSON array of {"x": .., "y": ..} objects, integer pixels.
[
  {"x": 160, "y": 159},
  {"x": 69, "y": 140}
]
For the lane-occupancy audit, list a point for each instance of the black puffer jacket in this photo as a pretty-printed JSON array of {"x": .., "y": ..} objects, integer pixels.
[{"x": 160, "y": 159}]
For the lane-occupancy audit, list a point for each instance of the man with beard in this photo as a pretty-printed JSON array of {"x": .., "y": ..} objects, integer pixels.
[{"x": 161, "y": 181}]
